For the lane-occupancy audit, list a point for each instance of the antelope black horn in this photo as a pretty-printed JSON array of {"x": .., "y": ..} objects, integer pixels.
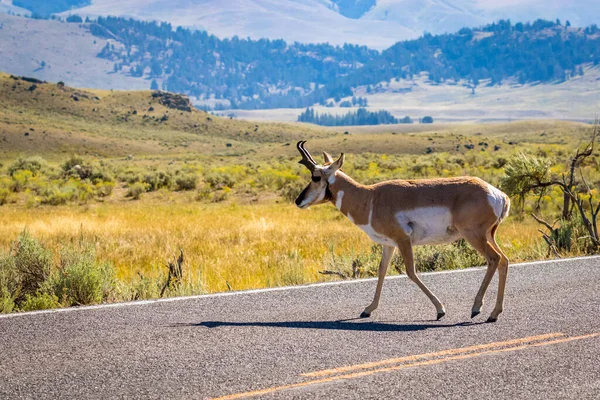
[{"x": 307, "y": 160}]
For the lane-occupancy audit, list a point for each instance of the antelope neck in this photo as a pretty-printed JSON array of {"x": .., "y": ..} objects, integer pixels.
[{"x": 349, "y": 196}]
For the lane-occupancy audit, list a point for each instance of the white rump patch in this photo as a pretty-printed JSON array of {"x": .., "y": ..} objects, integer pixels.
[
  {"x": 428, "y": 225},
  {"x": 496, "y": 199}
]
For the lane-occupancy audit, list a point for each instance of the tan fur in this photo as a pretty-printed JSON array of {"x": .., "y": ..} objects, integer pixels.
[
  {"x": 384, "y": 211},
  {"x": 460, "y": 195}
]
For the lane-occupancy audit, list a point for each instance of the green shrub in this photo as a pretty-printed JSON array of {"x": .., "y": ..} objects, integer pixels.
[
  {"x": 7, "y": 301},
  {"x": 354, "y": 265},
  {"x": 9, "y": 283},
  {"x": 81, "y": 278},
  {"x": 55, "y": 195},
  {"x": 219, "y": 180},
  {"x": 104, "y": 189},
  {"x": 20, "y": 180},
  {"x": 4, "y": 196},
  {"x": 72, "y": 162},
  {"x": 456, "y": 255},
  {"x": 84, "y": 191},
  {"x": 38, "y": 184},
  {"x": 78, "y": 167},
  {"x": 204, "y": 193},
  {"x": 41, "y": 301},
  {"x": 214, "y": 196},
  {"x": 144, "y": 288},
  {"x": 135, "y": 190},
  {"x": 186, "y": 182},
  {"x": 59, "y": 192},
  {"x": 221, "y": 195},
  {"x": 130, "y": 176},
  {"x": 32, "y": 264},
  {"x": 23, "y": 273},
  {"x": 569, "y": 235},
  {"x": 522, "y": 172},
  {"x": 33, "y": 164},
  {"x": 500, "y": 162},
  {"x": 5, "y": 181},
  {"x": 158, "y": 180},
  {"x": 29, "y": 280},
  {"x": 276, "y": 178}
]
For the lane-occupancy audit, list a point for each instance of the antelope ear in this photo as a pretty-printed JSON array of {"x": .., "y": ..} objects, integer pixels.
[
  {"x": 327, "y": 157},
  {"x": 337, "y": 164}
]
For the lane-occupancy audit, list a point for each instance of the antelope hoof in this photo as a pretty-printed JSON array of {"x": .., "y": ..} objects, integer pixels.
[
  {"x": 492, "y": 319},
  {"x": 474, "y": 313},
  {"x": 440, "y": 315},
  {"x": 365, "y": 314}
]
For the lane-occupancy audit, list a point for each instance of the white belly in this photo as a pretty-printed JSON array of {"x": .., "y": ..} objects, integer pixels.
[
  {"x": 428, "y": 225},
  {"x": 377, "y": 237}
]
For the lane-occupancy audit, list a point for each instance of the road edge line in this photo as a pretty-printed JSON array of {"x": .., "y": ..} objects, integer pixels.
[{"x": 272, "y": 289}]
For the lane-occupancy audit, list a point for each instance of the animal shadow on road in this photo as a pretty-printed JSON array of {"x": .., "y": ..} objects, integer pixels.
[{"x": 351, "y": 324}]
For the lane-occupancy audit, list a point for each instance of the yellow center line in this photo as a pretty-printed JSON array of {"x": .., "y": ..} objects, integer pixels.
[
  {"x": 409, "y": 365},
  {"x": 431, "y": 355}
]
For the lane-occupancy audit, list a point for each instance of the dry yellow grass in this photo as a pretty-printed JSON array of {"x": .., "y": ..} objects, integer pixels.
[{"x": 245, "y": 246}]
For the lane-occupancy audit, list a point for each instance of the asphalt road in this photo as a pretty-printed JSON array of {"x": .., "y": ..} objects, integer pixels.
[{"x": 306, "y": 343}]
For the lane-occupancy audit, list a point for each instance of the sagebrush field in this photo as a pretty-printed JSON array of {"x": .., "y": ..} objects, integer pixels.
[{"x": 99, "y": 190}]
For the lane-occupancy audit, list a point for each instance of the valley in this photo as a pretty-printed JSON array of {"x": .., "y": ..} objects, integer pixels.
[
  {"x": 577, "y": 99},
  {"x": 127, "y": 180}
]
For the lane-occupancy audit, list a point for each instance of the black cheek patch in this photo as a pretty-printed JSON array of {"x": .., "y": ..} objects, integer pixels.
[{"x": 301, "y": 197}]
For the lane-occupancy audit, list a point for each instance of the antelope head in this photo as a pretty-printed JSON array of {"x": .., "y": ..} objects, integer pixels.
[{"x": 322, "y": 176}]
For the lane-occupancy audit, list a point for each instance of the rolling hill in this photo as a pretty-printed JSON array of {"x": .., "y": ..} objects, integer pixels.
[
  {"x": 575, "y": 99},
  {"x": 56, "y": 120}
]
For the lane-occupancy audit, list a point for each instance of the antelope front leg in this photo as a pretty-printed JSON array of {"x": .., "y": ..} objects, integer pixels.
[
  {"x": 388, "y": 252},
  {"x": 407, "y": 254}
]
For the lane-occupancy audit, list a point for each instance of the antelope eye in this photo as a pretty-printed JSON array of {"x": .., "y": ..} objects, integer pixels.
[{"x": 316, "y": 178}]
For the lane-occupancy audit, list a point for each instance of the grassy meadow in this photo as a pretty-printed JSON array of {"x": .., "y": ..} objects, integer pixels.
[{"x": 98, "y": 193}]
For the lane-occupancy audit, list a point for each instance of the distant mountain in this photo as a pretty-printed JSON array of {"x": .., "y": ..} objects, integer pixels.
[
  {"x": 236, "y": 70},
  {"x": 6, "y": 7},
  {"x": 47, "y": 8},
  {"x": 272, "y": 74},
  {"x": 374, "y": 23},
  {"x": 266, "y": 74},
  {"x": 36, "y": 48},
  {"x": 305, "y": 21}
]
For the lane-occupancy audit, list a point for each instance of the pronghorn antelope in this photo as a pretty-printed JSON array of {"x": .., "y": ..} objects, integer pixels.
[{"x": 404, "y": 213}]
